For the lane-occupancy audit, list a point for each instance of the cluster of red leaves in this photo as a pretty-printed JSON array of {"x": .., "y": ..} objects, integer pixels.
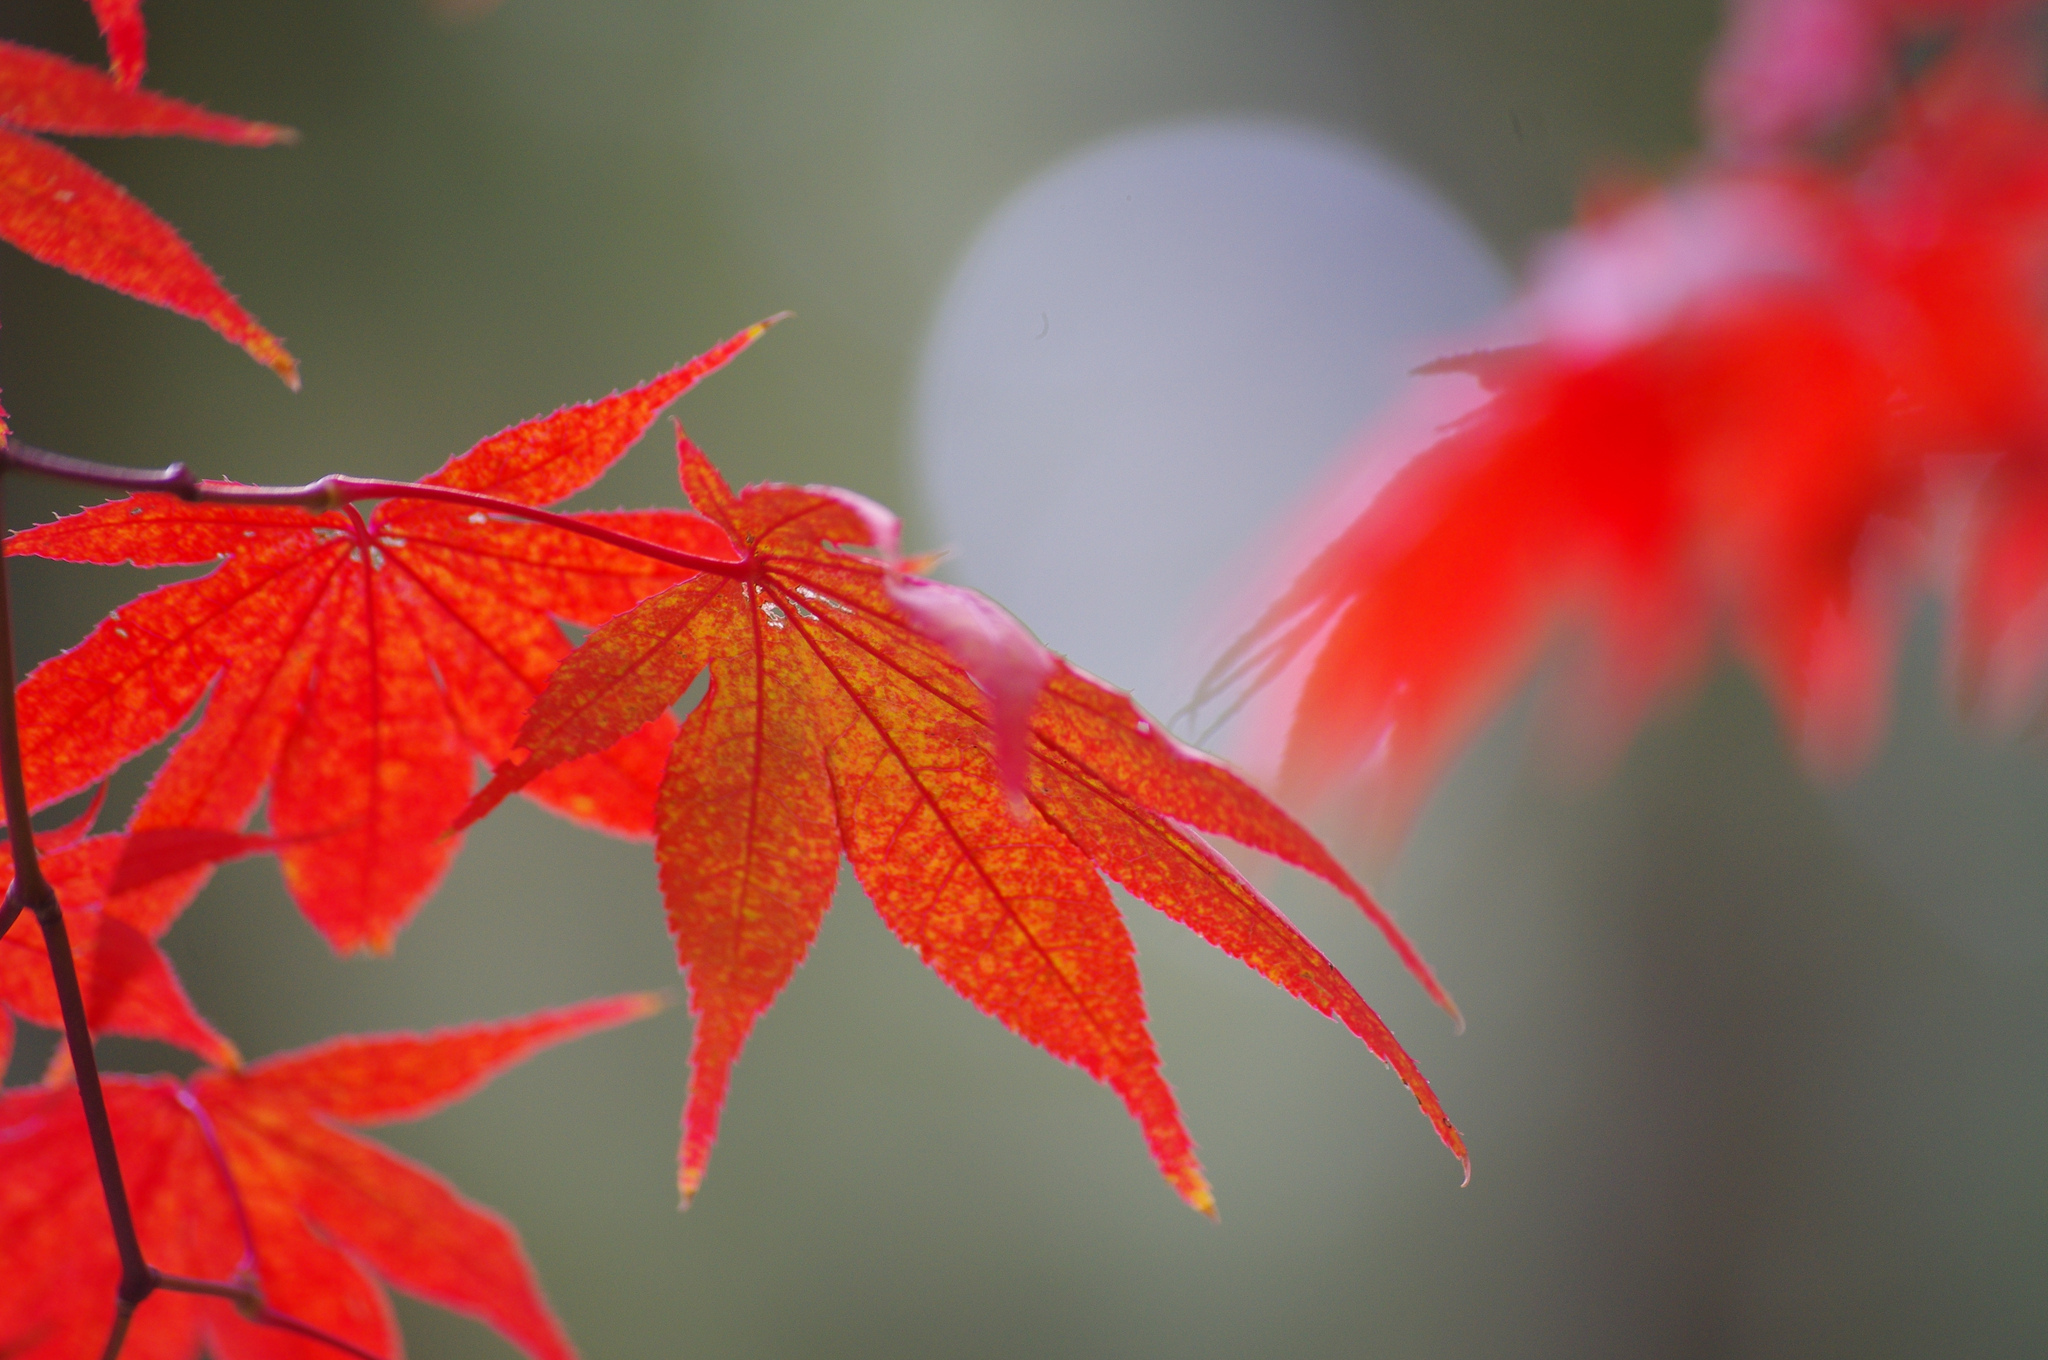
[
  {"x": 1750, "y": 394},
  {"x": 60, "y": 210},
  {"x": 357, "y": 667},
  {"x": 353, "y": 672}
]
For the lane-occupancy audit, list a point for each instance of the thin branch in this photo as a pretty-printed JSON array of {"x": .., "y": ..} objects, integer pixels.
[
  {"x": 124, "y": 1313},
  {"x": 30, "y": 887},
  {"x": 31, "y": 891},
  {"x": 63, "y": 467},
  {"x": 334, "y": 491}
]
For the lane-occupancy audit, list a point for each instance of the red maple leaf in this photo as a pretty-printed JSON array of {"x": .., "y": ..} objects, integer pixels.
[
  {"x": 61, "y": 211},
  {"x": 979, "y": 785},
  {"x": 1745, "y": 403},
  {"x": 244, "y": 1178},
  {"x": 358, "y": 667},
  {"x": 116, "y": 902}
]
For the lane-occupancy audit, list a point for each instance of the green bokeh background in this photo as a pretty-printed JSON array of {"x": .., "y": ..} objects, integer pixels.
[{"x": 1730, "y": 1089}]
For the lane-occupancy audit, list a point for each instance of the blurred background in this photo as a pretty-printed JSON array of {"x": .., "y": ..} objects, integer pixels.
[{"x": 1090, "y": 292}]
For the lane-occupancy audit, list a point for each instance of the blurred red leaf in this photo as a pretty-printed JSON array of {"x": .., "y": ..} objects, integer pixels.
[{"x": 1745, "y": 405}]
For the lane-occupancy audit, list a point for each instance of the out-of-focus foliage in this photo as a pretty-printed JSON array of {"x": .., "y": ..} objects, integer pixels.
[{"x": 1751, "y": 396}]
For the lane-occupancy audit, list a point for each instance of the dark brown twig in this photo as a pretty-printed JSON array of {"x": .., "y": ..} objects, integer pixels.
[
  {"x": 31, "y": 892},
  {"x": 334, "y": 491}
]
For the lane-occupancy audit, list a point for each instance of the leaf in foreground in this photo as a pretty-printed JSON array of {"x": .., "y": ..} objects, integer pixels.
[
  {"x": 331, "y": 1219},
  {"x": 358, "y": 667},
  {"x": 850, "y": 711}
]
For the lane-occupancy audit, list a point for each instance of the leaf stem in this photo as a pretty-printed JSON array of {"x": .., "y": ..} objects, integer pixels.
[
  {"x": 124, "y": 1313},
  {"x": 32, "y": 892},
  {"x": 334, "y": 491}
]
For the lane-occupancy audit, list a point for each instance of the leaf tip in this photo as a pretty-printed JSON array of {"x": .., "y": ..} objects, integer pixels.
[
  {"x": 265, "y": 349},
  {"x": 1455, "y": 1141},
  {"x": 641, "y": 1005}
]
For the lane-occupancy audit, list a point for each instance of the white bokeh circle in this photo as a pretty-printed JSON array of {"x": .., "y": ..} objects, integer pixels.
[{"x": 1153, "y": 348}]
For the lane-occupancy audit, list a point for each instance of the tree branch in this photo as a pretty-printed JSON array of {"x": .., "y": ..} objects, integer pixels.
[
  {"x": 334, "y": 491},
  {"x": 30, "y": 891}
]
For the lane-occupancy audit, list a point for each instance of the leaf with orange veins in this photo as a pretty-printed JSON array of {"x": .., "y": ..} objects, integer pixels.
[
  {"x": 332, "y": 1219},
  {"x": 354, "y": 667},
  {"x": 1095, "y": 733},
  {"x": 121, "y": 25},
  {"x": 835, "y": 722},
  {"x": 128, "y": 984}
]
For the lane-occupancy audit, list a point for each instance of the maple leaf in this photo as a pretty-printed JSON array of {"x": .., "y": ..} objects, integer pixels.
[
  {"x": 358, "y": 667},
  {"x": 1744, "y": 403},
  {"x": 979, "y": 785},
  {"x": 243, "y": 1177},
  {"x": 61, "y": 211}
]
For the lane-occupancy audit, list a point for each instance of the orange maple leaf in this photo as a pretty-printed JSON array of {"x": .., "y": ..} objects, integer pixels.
[
  {"x": 61, "y": 211},
  {"x": 358, "y": 667},
  {"x": 979, "y": 785},
  {"x": 241, "y": 1178}
]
